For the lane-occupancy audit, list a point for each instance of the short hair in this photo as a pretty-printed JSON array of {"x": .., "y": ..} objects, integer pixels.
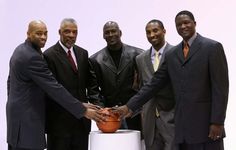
[
  {"x": 185, "y": 12},
  {"x": 71, "y": 20},
  {"x": 156, "y": 21},
  {"x": 111, "y": 23}
]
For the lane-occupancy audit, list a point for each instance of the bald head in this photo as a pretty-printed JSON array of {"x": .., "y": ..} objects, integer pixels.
[
  {"x": 35, "y": 24},
  {"x": 37, "y": 33},
  {"x": 111, "y": 23}
]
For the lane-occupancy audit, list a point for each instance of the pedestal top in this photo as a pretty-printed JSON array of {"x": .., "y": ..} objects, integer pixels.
[{"x": 120, "y": 140}]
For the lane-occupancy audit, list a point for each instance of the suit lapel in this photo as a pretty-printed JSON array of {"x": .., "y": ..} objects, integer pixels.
[
  {"x": 107, "y": 60},
  {"x": 168, "y": 46},
  {"x": 179, "y": 53},
  {"x": 124, "y": 60},
  {"x": 194, "y": 47},
  {"x": 78, "y": 57},
  {"x": 62, "y": 55},
  {"x": 148, "y": 62},
  {"x": 193, "y": 50}
]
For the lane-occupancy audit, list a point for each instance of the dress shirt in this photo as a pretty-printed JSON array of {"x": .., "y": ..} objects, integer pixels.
[
  {"x": 160, "y": 52},
  {"x": 72, "y": 52}
]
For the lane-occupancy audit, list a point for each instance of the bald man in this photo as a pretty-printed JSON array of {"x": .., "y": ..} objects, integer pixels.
[{"x": 28, "y": 81}]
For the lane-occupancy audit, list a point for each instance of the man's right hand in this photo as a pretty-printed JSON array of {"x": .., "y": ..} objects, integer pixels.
[
  {"x": 95, "y": 115},
  {"x": 124, "y": 111}
]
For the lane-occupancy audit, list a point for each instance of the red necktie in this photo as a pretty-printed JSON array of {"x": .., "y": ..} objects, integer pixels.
[
  {"x": 186, "y": 49},
  {"x": 71, "y": 60}
]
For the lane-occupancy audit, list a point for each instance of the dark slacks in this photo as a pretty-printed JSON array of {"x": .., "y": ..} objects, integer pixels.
[
  {"x": 213, "y": 145},
  {"x": 14, "y": 148},
  {"x": 67, "y": 143}
]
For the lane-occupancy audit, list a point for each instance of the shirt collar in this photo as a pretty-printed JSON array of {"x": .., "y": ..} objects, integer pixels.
[
  {"x": 65, "y": 48},
  {"x": 190, "y": 41},
  {"x": 160, "y": 51}
]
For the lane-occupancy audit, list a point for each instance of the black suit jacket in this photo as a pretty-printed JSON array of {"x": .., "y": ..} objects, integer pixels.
[
  {"x": 117, "y": 84},
  {"x": 59, "y": 120},
  {"x": 200, "y": 86},
  {"x": 29, "y": 79}
]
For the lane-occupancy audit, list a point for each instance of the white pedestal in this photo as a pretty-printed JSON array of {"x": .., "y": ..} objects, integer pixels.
[{"x": 120, "y": 140}]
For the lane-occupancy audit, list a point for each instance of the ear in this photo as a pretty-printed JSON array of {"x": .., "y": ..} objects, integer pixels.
[
  {"x": 120, "y": 33},
  {"x": 28, "y": 35},
  {"x": 59, "y": 31},
  {"x": 164, "y": 30}
]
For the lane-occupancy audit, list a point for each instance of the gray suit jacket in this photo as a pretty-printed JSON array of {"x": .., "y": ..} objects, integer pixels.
[
  {"x": 200, "y": 85},
  {"x": 163, "y": 100},
  {"x": 29, "y": 79}
]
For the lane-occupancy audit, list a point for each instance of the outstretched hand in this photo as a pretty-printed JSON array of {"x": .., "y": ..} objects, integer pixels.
[
  {"x": 92, "y": 106},
  {"x": 92, "y": 112},
  {"x": 124, "y": 111}
]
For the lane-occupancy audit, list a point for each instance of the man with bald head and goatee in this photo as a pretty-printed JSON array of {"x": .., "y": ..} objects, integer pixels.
[
  {"x": 28, "y": 81},
  {"x": 117, "y": 72}
]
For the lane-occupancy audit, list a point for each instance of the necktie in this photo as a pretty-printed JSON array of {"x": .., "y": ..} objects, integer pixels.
[
  {"x": 186, "y": 49},
  {"x": 71, "y": 60},
  {"x": 156, "y": 61},
  {"x": 155, "y": 66}
]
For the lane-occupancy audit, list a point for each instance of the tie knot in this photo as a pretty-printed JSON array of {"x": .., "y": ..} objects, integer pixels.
[
  {"x": 186, "y": 44},
  {"x": 69, "y": 52},
  {"x": 157, "y": 54}
]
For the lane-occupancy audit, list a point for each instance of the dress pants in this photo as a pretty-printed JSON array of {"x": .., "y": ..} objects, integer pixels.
[
  {"x": 212, "y": 145},
  {"x": 164, "y": 132},
  {"x": 67, "y": 143},
  {"x": 14, "y": 148}
]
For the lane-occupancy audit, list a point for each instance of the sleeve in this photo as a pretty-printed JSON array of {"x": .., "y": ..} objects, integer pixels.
[
  {"x": 219, "y": 83},
  {"x": 38, "y": 71},
  {"x": 94, "y": 95}
]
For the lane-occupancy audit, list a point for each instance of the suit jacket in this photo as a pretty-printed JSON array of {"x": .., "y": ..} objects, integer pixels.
[
  {"x": 59, "y": 120},
  {"x": 117, "y": 84},
  {"x": 29, "y": 79},
  {"x": 163, "y": 100},
  {"x": 200, "y": 85}
]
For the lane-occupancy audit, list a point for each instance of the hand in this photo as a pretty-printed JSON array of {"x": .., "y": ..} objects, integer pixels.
[
  {"x": 216, "y": 131},
  {"x": 91, "y": 106},
  {"x": 95, "y": 115},
  {"x": 124, "y": 111}
]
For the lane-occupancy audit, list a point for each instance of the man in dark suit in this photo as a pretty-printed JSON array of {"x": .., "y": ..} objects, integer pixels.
[
  {"x": 29, "y": 79},
  {"x": 69, "y": 134},
  {"x": 200, "y": 83},
  {"x": 158, "y": 113},
  {"x": 116, "y": 71}
]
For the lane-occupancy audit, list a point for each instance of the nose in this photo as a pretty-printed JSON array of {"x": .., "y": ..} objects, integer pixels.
[
  {"x": 44, "y": 36},
  {"x": 71, "y": 34},
  {"x": 183, "y": 25},
  {"x": 152, "y": 34},
  {"x": 110, "y": 34}
]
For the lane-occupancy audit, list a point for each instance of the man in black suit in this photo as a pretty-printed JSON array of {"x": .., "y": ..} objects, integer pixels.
[
  {"x": 200, "y": 82},
  {"x": 158, "y": 113},
  {"x": 69, "y": 134},
  {"x": 116, "y": 71},
  {"x": 28, "y": 81}
]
